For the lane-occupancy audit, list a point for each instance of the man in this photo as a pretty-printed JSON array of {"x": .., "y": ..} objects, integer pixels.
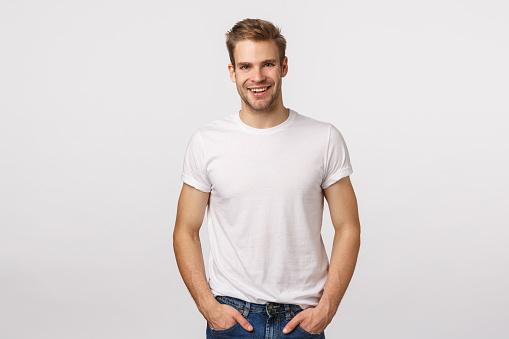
[{"x": 263, "y": 173}]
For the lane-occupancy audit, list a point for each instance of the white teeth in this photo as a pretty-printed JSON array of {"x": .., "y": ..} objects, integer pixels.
[{"x": 259, "y": 90}]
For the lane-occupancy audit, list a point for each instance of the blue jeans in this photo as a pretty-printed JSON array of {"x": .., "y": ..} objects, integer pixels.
[{"x": 267, "y": 320}]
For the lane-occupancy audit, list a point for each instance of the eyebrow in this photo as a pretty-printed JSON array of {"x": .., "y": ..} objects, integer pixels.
[
  {"x": 240, "y": 64},
  {"x": 273, "y": 61}
]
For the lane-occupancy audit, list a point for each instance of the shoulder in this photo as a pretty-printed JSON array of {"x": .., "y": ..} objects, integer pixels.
[
  {"x": 220, "y": 125},
  {"x": 313, "y": 125}
]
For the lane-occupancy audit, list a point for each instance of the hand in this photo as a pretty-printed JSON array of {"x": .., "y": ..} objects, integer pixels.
[
  {"x": 311, "y": 319},
  {"x": 224, "y": 316}
]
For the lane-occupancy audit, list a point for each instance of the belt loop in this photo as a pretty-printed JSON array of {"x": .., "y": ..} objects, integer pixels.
[
  {"x": 246, "y": 309},
  {"x": 287, "y": 312}
]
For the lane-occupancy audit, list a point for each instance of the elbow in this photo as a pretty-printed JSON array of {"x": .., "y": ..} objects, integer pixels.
[
  {"x": 351, "y": 233},
  {"x": 352, "y": 229},
  {"x": 183, "y": 233}
]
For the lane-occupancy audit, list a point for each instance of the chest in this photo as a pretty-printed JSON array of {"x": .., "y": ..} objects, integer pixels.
[{"x": 260, "y": 167}]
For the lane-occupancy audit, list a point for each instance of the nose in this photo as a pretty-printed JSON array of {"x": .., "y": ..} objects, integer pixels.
[{"x": 258, "y": 75}]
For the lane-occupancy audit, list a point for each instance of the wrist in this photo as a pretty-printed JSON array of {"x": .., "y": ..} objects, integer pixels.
[
  {"x": 327, "y": 307},
  {"x": 208, "y": 306}
]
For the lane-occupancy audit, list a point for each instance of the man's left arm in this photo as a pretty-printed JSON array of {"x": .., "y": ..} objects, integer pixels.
[{"x": 345, "y": 219}]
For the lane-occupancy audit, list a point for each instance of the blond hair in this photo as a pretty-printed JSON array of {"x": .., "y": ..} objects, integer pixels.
[{"x": 255, "y": 29}]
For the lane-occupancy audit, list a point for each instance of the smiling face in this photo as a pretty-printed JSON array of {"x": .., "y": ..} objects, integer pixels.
[{"x": 258, "y": 75}]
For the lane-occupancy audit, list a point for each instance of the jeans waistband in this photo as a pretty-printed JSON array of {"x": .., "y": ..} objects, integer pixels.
[{"x": 270, "y": 308}]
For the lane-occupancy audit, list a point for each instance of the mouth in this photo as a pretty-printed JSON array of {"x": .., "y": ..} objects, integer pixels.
[{"x": 259, "y": 91}]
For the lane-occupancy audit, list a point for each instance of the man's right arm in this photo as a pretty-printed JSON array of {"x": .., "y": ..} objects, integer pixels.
[{"x": 187, "y": 246}]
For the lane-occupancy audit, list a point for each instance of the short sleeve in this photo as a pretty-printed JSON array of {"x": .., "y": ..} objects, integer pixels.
[
  {"x": 337, "y": 162},
  {"x": 195, "y": 170}
]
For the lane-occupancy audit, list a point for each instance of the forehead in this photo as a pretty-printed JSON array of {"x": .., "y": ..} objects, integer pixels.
[{"x": 255, "y": 51}]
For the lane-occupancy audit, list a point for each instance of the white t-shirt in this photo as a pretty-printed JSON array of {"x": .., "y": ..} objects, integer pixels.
[{"x": 266, "y": 204}]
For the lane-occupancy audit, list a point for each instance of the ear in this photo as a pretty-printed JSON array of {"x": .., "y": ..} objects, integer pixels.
[
  {"x": 232, "y": 73},
  {"x": 284, "y": 67}
]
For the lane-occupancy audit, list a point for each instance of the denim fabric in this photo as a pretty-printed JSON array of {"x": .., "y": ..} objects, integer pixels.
[{"x": 267, "y": 320}]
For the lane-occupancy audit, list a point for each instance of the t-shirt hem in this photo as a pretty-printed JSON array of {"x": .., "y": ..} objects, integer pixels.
[
  {"x": 194, "y": 183},
  {"x": 245, "y": 298},
  {"x": 339, "y": 175}
]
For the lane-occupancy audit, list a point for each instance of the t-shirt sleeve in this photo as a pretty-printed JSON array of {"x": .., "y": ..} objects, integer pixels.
[
  {"x": 337, "y": 162},
  {"x": 195, "y": 170}
]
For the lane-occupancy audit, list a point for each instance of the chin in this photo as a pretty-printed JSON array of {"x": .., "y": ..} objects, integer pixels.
[{"x": 259, "y": 108}]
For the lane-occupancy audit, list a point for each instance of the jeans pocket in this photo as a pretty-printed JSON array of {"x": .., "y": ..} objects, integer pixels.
[
  {"x": 224, "y": 330},
  {"x": 222, "y": 300},
  {"x": 311, "y": 334}
]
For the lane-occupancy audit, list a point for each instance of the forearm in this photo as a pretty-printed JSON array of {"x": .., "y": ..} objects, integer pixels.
[
  {"x": 188, "y": 252},
  {"x": 342, "y": 265}
]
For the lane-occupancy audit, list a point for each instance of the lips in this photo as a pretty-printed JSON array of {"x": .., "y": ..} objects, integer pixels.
[{"x": 259, "y": 91}]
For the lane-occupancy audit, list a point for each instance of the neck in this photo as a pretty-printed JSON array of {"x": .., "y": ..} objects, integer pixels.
[{"x": 264, "y": 119}]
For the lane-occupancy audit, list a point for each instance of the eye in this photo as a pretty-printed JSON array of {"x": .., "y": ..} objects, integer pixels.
[
  {"x": 269, "y": 64},
  {"x": 244, "y": 67}
]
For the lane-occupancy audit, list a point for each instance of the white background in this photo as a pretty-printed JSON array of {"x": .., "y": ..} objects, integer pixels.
[{"x": 98, "y": 100}]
